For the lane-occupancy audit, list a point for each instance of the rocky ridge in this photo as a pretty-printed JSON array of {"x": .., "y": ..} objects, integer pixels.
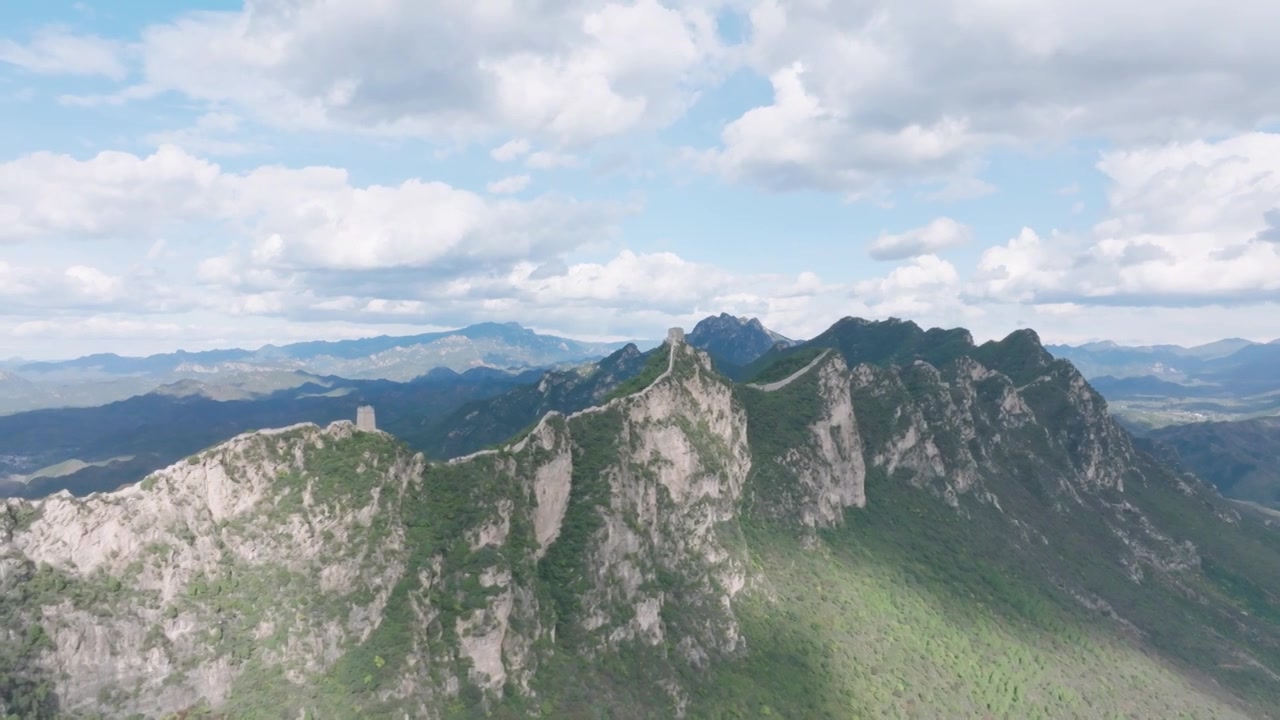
[{"x": 334, "y": 573}]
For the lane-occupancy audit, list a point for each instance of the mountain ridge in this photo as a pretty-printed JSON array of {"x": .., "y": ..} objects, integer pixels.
[
  {"x": 101, "y": 378},
  {"x": 651, "y": 555}
]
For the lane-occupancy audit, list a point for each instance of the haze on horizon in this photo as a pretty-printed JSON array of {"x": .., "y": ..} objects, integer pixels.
[{"x": 218, "y": 174}]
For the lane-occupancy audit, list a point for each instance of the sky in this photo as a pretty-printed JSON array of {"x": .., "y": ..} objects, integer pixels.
[{"x": 215, "y": 174}]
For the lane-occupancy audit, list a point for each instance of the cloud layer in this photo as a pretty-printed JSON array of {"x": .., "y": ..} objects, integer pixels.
[{"x": 891, "y": 121}]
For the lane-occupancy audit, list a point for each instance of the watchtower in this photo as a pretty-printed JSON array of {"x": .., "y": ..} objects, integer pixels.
[{"x": 365, "y": 420}]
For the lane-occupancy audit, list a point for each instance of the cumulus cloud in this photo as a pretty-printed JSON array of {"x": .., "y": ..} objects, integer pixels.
[
  {"x": 568, "y": 72},
  {"x": 940, "y": 234},
  {"x": 1188, "y": 223},
  {"x": 47, "y": 195},
  {"x": 864, "y": 92},
  {"x": 292, "y": 219},
  {"x": 510, "y": 150},
  {"x": 925, "y": 287},
  {"x": 42, "y": 289},
  {"x": 57, "y": 50}
]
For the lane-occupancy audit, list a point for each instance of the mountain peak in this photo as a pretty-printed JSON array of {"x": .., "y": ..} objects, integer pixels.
[
  {"x": 733, "y": 340},
  {"x": 668, "y": 533}
]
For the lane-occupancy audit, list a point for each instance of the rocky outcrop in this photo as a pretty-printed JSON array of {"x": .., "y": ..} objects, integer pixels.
[
  {"x": 734, "y": 340},
  {"x": 152, "y": 598},
  {"x": 337, "y": 569},
  {"x": 811, "y": 476}
]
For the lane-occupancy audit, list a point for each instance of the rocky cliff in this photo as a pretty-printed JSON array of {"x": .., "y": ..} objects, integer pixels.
[{"x": 605, "y": 557}]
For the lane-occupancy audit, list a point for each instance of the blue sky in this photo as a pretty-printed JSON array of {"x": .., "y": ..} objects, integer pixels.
[{"x": 210, "y": 174}]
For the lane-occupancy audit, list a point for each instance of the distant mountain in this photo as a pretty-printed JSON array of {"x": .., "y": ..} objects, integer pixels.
[
  {"x": 734, "y": 340},
  {"x": 928, "y": 529},
  {"x": 84, "y": 446},
  {"x": 386, "y": 357},
  {"x": 237, "y": 373},
  {"x": 1242, "y": 458},
  {"x": 731, "y": 342},
  {"x": 1148, "y": 386},
  {"x": 489, "y": 421},
  {"x": 1158, "y": 385},
  {"x": 1123, "y": 360}
]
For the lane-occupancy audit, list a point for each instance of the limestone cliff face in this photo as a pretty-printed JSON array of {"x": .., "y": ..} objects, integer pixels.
[
  {"x": 151, "y": 599},
  {"x": 814, "y": 475},
  {"x": 334, "y": 565},
  {"x": 335, "y": 574},
  {"x": 966, "y": 428}
]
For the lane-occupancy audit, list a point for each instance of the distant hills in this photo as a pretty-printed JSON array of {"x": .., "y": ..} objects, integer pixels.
[
  {"x": 1242, "y": 458},
  {"x": 86, "y": 450},
  {"x": 1159, "y": 385},
  {"x": 442, "y": 412},
  {"x": 888, "y": 522},
  {"x": 242, "y": 374}
]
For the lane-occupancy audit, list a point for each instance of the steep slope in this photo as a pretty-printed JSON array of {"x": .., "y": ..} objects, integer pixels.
[
  {"x": 1241, "y": 459},
  {"x": 868, "y": 534}
]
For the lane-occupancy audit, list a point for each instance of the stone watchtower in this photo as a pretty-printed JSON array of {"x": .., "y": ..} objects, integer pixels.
[{"x": 365, "y": 420}]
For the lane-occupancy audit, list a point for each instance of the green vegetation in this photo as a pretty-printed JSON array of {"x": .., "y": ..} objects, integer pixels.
[
  {"x": 656, "y": 364},
  {"x": 892, "y": 342},
  {"x": 1065, "y": 599},
  {"x": 780, "y": 367},
  {"x": 26, "y": 688},
  {"x": 563, "y": 569},
  {"x": 1238, "y": 458},
  {"x": 26, "y": 691},
  {"x": 778, "y": 422}
]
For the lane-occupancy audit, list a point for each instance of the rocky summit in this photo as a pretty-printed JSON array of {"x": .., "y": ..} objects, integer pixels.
[
  {"x": 882, "y": 522},
  {"x": 733, "y": 340}
]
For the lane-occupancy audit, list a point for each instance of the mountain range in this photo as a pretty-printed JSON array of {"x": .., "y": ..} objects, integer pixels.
[
  {"x": 882, "y": 522},
  {"x": 1241, "y": 458},
  {"x": 1161, "y": 385},
  {"x": 243, "y": 374},
  {"x": 442, "y": 412}
]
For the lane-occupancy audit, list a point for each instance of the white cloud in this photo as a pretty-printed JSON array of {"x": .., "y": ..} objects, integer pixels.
[
  {"x": 925, "y": 287},
  {"x": 1187, "y": 224},
  {"x": 567, "y": 72},
  {"x": 214, "y": 133},
  {"x": 95, "y": 327},
  {"x": 507, "y": 185},
  {"x": 290, "y": 219},
  {"x": 93, "y": 283},
  {"x": 548, "y": 160},
  {"x": 35, "y": 289},
  {"x": 510, "y": 150},
  {"x": 940, "y": 234},
  {"x": 867, "y": 93},
  {"x": 56, "y": 50},
  {"x": 45, "y": 195}
]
